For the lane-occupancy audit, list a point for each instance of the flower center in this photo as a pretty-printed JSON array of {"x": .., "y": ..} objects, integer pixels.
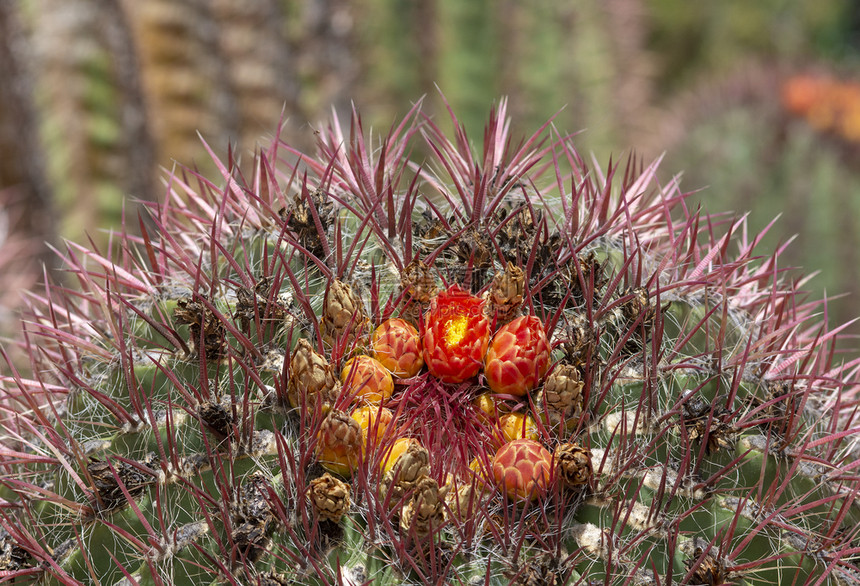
[{"x": 455, "y": 330}]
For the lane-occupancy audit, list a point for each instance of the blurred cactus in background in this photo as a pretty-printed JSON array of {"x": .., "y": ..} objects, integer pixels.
[
  {"x": 788, "y": 140},
  {"x": 102, "y": 94},
  {"x": 122, "y": 87}
]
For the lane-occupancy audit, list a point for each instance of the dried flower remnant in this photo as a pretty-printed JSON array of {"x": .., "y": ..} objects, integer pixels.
[
  {"x": 580, "y": 341},
  {"x": 329, "y": 497},
  {"x": 207, "y": 331},
  {"x": 343, "y": 319},
  {"x": 424, "y": 513},
  {"x": 465, "y": 499},
  {"x": 561, "y": 399},
  {"x": 505, "y": 295},
  {"x": 573, "y": 464},
  {"x": 217, "y": 418},
  {"x": 300, "y": 219},
  {"x": 636, "y": 316},
  {"x": 107, "y": 477},
  {"x": 253, "y": 304},
  {"x": 703, "y": 565},
  {"x": 312, "y": 380},
  {"x": 703, "y": 421},
  {"x": 418, "y": 287},
  {"x": 407, "y": 461},
  {"x": 13, "y": 557}
]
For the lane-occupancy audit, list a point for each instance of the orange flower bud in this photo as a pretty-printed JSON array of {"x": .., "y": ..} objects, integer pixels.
[
  {"x": 339, "y": 443},
  {"x": 397, "y": 346},
  {"x": 367, "y": 379},
  {"x": 522, "y": 469}
]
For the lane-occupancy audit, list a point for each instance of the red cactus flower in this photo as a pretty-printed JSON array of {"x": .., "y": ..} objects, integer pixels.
[
  {"x": 521, "y": 468},
  {"x": 456, "y": 335},
  {"x": 518, "y": 357}
]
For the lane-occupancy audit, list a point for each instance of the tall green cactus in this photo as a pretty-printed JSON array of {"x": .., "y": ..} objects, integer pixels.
[{"x": 592, "y": 383}]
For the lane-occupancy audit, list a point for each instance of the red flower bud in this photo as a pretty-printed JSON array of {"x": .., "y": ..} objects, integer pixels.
[{"x": 518, "y": 357}]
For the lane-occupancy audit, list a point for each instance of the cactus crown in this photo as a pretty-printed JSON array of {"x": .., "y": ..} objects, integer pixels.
[{"x": 593, "y": 382}]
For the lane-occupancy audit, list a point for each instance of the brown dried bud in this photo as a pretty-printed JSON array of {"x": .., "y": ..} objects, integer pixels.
[
  {"x": 639, "y": 313},
  {"x": 312, "y": 378},
  {"x": 581, "y": 340},
  {"x": 418, "y": 287},
  {"x": 13, "y": 557},
  {"x": 464, "y": 500},
  {"x": 329, "y": 497},
  {"x": 561, "y": 398},
  {"x": 217, "y": 417},
  {"x": 252, "y": 504},
  {"x": 711, "y": 569},
  {"x": 204, "y": 327},
  {"x": 300, "y": 219},
  {"x": 253, "y": 304},
  {"x": 273, "y": 579},
  {"x": 424, "y": 512},
  {"x": 251, "y": 519},
  {"x": 591, "y": 268},
  {"x": 542, "y": 570},
  {"x": 251, "y": 540},
  {"x": 407, "y": 469},
  {"x": 573, "y": 464},
  {"x": 412, "y": 464},
  {"x": 343, "y": 314},
  {"x": 506, "y": 294},
  {"x": 474, "y": 248},
  {"x": 636, "y": 305},
  {"x": 108, "y": 496}
]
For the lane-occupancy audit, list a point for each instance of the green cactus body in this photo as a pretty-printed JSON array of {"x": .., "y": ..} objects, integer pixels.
[{"x": 699, "y": 427}]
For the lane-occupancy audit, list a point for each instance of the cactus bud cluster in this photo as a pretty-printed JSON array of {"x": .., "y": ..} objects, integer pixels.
[{"x": 493, "y": 367}]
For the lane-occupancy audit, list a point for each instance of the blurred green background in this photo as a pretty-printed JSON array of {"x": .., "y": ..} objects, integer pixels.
[{"x": 97, "y": 96}]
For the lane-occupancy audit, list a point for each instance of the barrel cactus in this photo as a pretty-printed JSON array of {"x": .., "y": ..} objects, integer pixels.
[{"x": 411, "y": 359}]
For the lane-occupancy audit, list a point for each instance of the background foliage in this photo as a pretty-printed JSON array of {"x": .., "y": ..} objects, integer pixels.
[{"x": 99, "y": 95}]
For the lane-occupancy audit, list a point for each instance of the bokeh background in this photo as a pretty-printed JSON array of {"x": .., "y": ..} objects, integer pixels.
[{"x": 758, "y": 102}]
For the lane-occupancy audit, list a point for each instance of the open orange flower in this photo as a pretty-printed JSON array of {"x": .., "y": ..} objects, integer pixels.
[{"x": 456, "y": 335}]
